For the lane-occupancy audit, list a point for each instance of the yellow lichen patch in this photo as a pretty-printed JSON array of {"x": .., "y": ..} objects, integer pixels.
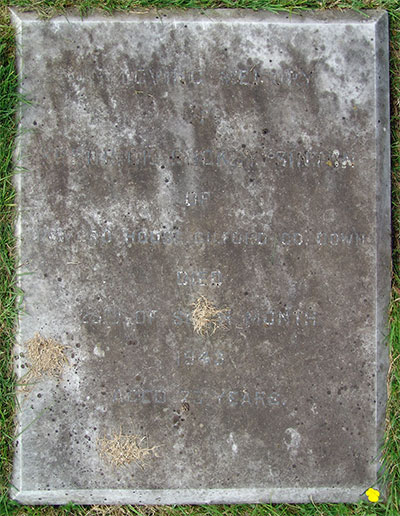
[
  {"x": 121, "y": 450},
  {"x": 206, "y": 317},
  {"x": 45, "y": 357}
]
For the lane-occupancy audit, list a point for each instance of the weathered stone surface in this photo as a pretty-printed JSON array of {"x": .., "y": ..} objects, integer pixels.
[{"x": 238, "y": 156}]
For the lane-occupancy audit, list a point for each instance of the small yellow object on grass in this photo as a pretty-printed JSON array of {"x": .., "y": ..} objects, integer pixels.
[{"x": 372, "y": 494}]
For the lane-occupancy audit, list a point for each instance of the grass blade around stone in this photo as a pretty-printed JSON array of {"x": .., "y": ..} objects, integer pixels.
[{"x": 9, "y": 294}]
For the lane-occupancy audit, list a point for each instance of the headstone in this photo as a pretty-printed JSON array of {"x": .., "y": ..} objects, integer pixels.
[{"x": 204, "y": 235}]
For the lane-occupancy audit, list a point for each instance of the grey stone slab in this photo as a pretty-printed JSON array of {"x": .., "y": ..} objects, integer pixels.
[{"x": 241, "y": 157}]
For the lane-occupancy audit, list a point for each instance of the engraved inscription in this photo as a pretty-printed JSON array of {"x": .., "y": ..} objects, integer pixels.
[
  {"x": 346, "y": 239},
  {"x": 251, "y": 238},
  {"x": 142, "y": 396},
  {"x": 280, "y": 318},
  {"x": 228, "y": 320},
  {"x": 240, "y": 398},
  {"x": 199, "y": 278},
  {"x": 196, "y": 199},
  {"x": 111, "y": 316},
  {"x": 128, "y": 156},
  {"x": 254, "y": 75},
  {"x": 192, "y": 357}
]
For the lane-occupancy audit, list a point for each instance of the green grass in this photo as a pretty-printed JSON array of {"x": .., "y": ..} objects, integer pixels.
[
  {"x": 8, "y": 290},
  {"x": 9, "y": 295}
]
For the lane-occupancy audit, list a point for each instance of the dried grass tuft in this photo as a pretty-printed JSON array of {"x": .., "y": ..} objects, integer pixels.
[
  {"x": 129, "y": 510},
  {"x": 206, "y": 317},
  {"x": 122, "y": 450},
  {"x": 45, "y": 357},
  {"x": 108, "y": 510}
]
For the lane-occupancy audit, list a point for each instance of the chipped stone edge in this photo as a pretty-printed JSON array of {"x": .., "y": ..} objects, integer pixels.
[
  {"x": 383, "y": 236},
  {"x": 190, "y": 496}
]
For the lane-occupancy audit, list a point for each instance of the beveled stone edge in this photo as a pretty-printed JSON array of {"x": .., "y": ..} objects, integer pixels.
[
  {"x": 330, "y": 16},
  {"x": 383, "y": 236},
  {"x": 17, "y": 22},
  {"x": 191, "y": 496},
  {"x": 247, "y": 495}
]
